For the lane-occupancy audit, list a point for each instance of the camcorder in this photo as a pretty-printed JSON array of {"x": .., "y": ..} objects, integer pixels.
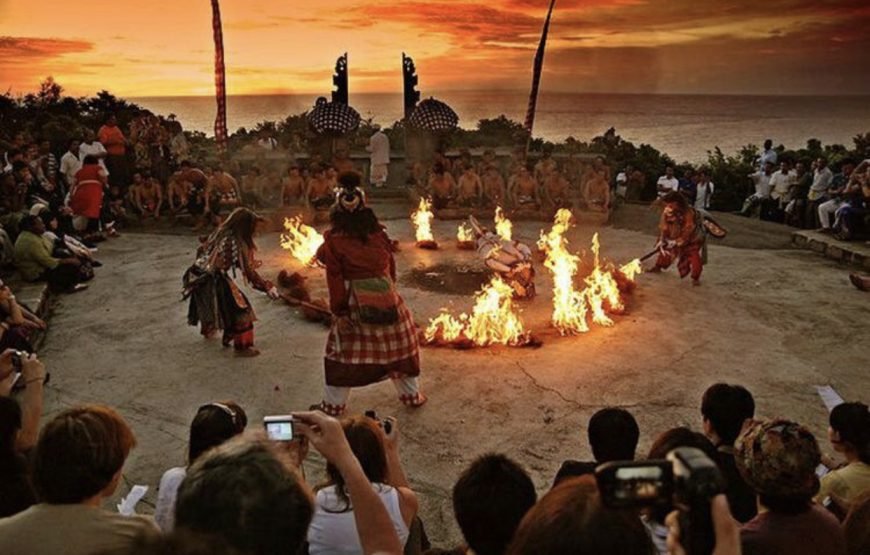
[
  {"x": 279, "y": 427},
  {"x": 385, "y": 424},
  {"x": 687, "y": 480}
]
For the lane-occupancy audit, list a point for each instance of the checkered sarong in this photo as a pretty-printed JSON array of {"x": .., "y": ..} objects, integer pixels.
[{"x": 372, "y": 352}]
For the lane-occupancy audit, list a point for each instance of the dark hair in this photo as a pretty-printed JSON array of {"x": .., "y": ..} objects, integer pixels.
[
  {"x": 186, "y": 164},
  {"x": 667, "y": 442},
  {"x": 10, "y": 423},
  {"x": 613, "y": 435},
  {"x": 27, "y": 222},
  {"x": 242, "y": 222},
  {"x": 71, "y": 141},
  {"x": 768, "y": 143},
  {"x": 244, "y": 492},
  {"x": 79, "y": 452},
  {"x": 12, "y": 153},
  {"x": 213, "y": 424},
  {"x": 852, "y": 422},
  {"x": 489, "y": 501},
  {"x": 367, "y": 443},
  {"x": 727, "y": 407},
  {"x": 360, "y": 224},
  {"x": 19, "y": 165},
  {"x": 349, "y": 180},
  {"x": 90, "y": 160},
  {"x": 570, "y": 520},
  {"x": 786, "y": 504},
  {"x": 181, "y": 542}
]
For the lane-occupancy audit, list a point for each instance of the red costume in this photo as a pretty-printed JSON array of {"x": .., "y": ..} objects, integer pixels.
[
  {"x": 87, "y": 195},
  {"x": 681, "y": 238}
]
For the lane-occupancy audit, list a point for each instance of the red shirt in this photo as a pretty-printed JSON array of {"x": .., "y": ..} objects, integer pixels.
[
  {"x": 349, "y": 258},
  {"x": 113, "y": 139}
]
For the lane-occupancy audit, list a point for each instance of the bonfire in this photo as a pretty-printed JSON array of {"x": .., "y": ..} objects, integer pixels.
[
  {"x": 301, "y": 240},
  {"x": 494, "y": 320},
  {"x": 465, "y": 238},
  {"x": 503, "y": 226},
  {"x": 604, "y": 286},
  {"x": 422, "y": 220}
]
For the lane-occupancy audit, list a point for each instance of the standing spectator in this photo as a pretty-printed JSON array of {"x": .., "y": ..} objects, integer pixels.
[
  {"x": 822, "y": 178},
  {"x": 179, "y": 148},
  {"x": 761, "y": 179},
  {"x": 796, "y": 209},
  {"x": 91, "y": 147},
  {"x": 112, "y": 138},
  {"x": 379, "y": 147},
  {"x": 613, "y": 436},
  {"x": 70, "y": 164},
  {"x": 768, "y": 156},
  {"x": 667, "y": 182},
  {"x": 48, "y": 161},
  {"x": 778, "y": 459},
  {"x": 33, "y": 258},
  {"x": 489, "y": 500},
  {"x": 77, "y": 465},
  {"x": 725, "y": 408},
  {"x": 850, "y": 435},
  {"x": 704, "y": 190},
  {"x": 333, "y": 528},
  {"x": 689, "y": 186},
  {"x": 213, "y": 424},
  {"x": 86, "y": 198},
  {"x": 835, "y": 194}
]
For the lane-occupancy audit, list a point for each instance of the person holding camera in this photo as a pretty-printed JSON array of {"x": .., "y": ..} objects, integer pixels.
[
  {"x": 376, "y": 445},
  {"x": 373, "y": 335}
]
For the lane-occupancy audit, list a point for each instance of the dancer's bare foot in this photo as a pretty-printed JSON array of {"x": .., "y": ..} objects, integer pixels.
[{"x": 249, "y": 352}]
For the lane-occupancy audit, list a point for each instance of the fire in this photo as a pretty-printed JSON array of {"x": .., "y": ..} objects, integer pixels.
[
  {"x": 464, "y": 234},
  {"x": 493, "y": 321},
  {"x": 601, "y": 295},
  {"x": 503, "y": 226},
  {"x": 301, "y": 240},
  {"x": 422, "y": 219}
]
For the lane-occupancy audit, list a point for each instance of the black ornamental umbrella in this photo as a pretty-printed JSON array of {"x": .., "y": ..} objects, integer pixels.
[
  {"x": 433, "y": 115},
  {"x": 333, "y": 118}
]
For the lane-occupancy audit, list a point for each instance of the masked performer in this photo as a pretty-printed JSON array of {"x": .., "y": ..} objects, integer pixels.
[
  {"x": 681, "y": 237},
  {"x": 216, "y": 302},
  {"x": 373, "y": 336},
  {"x": 511, "y": 260}
]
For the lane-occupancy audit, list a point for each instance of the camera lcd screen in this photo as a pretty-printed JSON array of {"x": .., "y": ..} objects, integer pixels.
[
  {"x": 280, "y": 431},
  {"x": 639, "y": 483}
]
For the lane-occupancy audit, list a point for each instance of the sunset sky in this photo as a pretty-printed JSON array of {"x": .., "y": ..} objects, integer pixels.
[{"x": 164, "y": 47}]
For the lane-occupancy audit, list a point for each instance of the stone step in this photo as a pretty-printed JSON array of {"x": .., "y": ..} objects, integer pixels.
[{"x": 856, "y": 253}]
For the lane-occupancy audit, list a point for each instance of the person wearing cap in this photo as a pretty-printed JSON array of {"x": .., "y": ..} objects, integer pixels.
[
  {"x": 778, "y": 459},
  {"x": 373, "y": 336},
  {"x": 379, "y": 147}
]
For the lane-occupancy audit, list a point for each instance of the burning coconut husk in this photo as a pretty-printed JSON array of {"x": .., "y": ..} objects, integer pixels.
[
  {"x": 294, "y": 292},
  {"x": 494, "y": 320},
  {"x": 301, "y": 240},
  {"x": 422, "y": 220},
  {"x": 465, "y": 237},
  {"x": 504, "y": 228}
]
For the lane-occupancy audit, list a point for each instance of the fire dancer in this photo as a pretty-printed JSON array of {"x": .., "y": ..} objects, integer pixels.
[
  {"x": 510, "y": 259},
  {"x": 373, "y": 335},
  {"x": 681, "y": 237},
  {"x": 216, "y": 302}
]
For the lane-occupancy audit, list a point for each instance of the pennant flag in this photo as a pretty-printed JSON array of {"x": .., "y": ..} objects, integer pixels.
[
  {"x": 220, "y": 85},
  {"x": 536, "y": 76}
]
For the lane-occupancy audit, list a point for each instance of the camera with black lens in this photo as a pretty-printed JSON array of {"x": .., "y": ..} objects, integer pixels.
[
  {"x": 687, "y": 480},
  {"x": 385, "y": 424}
]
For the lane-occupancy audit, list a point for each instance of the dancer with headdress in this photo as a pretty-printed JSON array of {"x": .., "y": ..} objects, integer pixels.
[
  {"x": 216, "y": 302},
  {"x": 373, "y": 336}
]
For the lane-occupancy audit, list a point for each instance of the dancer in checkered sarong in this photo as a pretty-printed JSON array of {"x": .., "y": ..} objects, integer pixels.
[{"x": 373, "y": 336}]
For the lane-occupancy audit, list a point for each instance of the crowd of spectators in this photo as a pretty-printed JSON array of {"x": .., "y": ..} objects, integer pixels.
[{"x": 243, "y": 493}]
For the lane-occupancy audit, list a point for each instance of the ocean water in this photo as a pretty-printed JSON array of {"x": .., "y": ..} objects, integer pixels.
[{"x": 684, "y": 126}]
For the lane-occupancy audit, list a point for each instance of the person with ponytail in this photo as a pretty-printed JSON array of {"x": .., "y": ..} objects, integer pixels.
[
  {"x": 849, "y": 434},
  {"x": 373, "y": 336}
]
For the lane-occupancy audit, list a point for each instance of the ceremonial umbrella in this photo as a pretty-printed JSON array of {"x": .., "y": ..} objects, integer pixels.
[
  {"x": 333, "y": 118},
  {"x": 433, "y": 115}
]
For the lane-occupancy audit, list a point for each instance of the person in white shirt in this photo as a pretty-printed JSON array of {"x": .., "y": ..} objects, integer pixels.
[
  {"x": 768, "y": 156},
  {"x": 266, "y": 142},
  {"x": 705, "y": 190},
  {"x": 92, "y": 147},
  {"x": 761, "y": 179},
  {"x": 70, "y": 164},
  {"x": 667, "y": 182},
  {"x": 379, "y": 147},
  {"x": 782, "y": 182},
  {"x": 822, "y": 177}
]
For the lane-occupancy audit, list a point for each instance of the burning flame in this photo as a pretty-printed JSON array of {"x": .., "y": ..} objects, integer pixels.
[
  {"x": 422, "y": 219},
  {"x": 301, "y": 240},
  {"x": 493, "y": 320},
  {"x": 601, "y": 294},
  {"x": 503, "y": 226},
  {"x": 464, "y": 234}
]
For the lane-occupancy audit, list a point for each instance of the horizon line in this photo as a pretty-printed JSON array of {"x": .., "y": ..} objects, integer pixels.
[{"x": 517, "y": 91}]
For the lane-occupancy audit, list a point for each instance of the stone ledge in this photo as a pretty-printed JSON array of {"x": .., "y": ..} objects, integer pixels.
[{"x": 850, "y": 252}]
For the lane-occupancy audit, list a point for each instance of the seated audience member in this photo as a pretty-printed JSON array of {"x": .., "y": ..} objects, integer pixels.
[
  {"x": 469, "y": 188},
  {"x": 19, "y": 427},
  {"x": 570, "y": 520},
  {"x": 523, "y": 190},
  {"x": 333, "y": 528},
  {"x": 596, "y": 193},
  {"x": 213, "y": 424},
  {"x": 761, "y": 180},
  {"x": 724, "y": 409},
  {"x": 148, "y": 198},
  {"x": 836, "y": 196},
  {"x": 33, "y": 258},
  {"x": 654, "y": 518},
  {"x": 64, "y": 244},
  {"x": 489, "y": 501},
  {"x": 850, "y": 436},
  {"x": 319, "y": 191},
  {"x": 18, "y": 323},
  {"x": 613, "y": 436},
  {"x": 249, "y": 493},
  {"x": 77, "y": 465},
  {"x": 726, "y": 530},
  {"x": 293, "y": 191},
  {"x": 778, "y": 459},
  {"x": 796, "y": 209},
  {"x": 856, "y": 527},
  {"x": 494, "y": 191},
  {"x": 441, "y": 186}
]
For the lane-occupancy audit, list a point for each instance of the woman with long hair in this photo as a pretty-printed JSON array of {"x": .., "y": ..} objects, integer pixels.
[
  {"x": 373, "y": 336},
  {"x": 216, "y": 302}
]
